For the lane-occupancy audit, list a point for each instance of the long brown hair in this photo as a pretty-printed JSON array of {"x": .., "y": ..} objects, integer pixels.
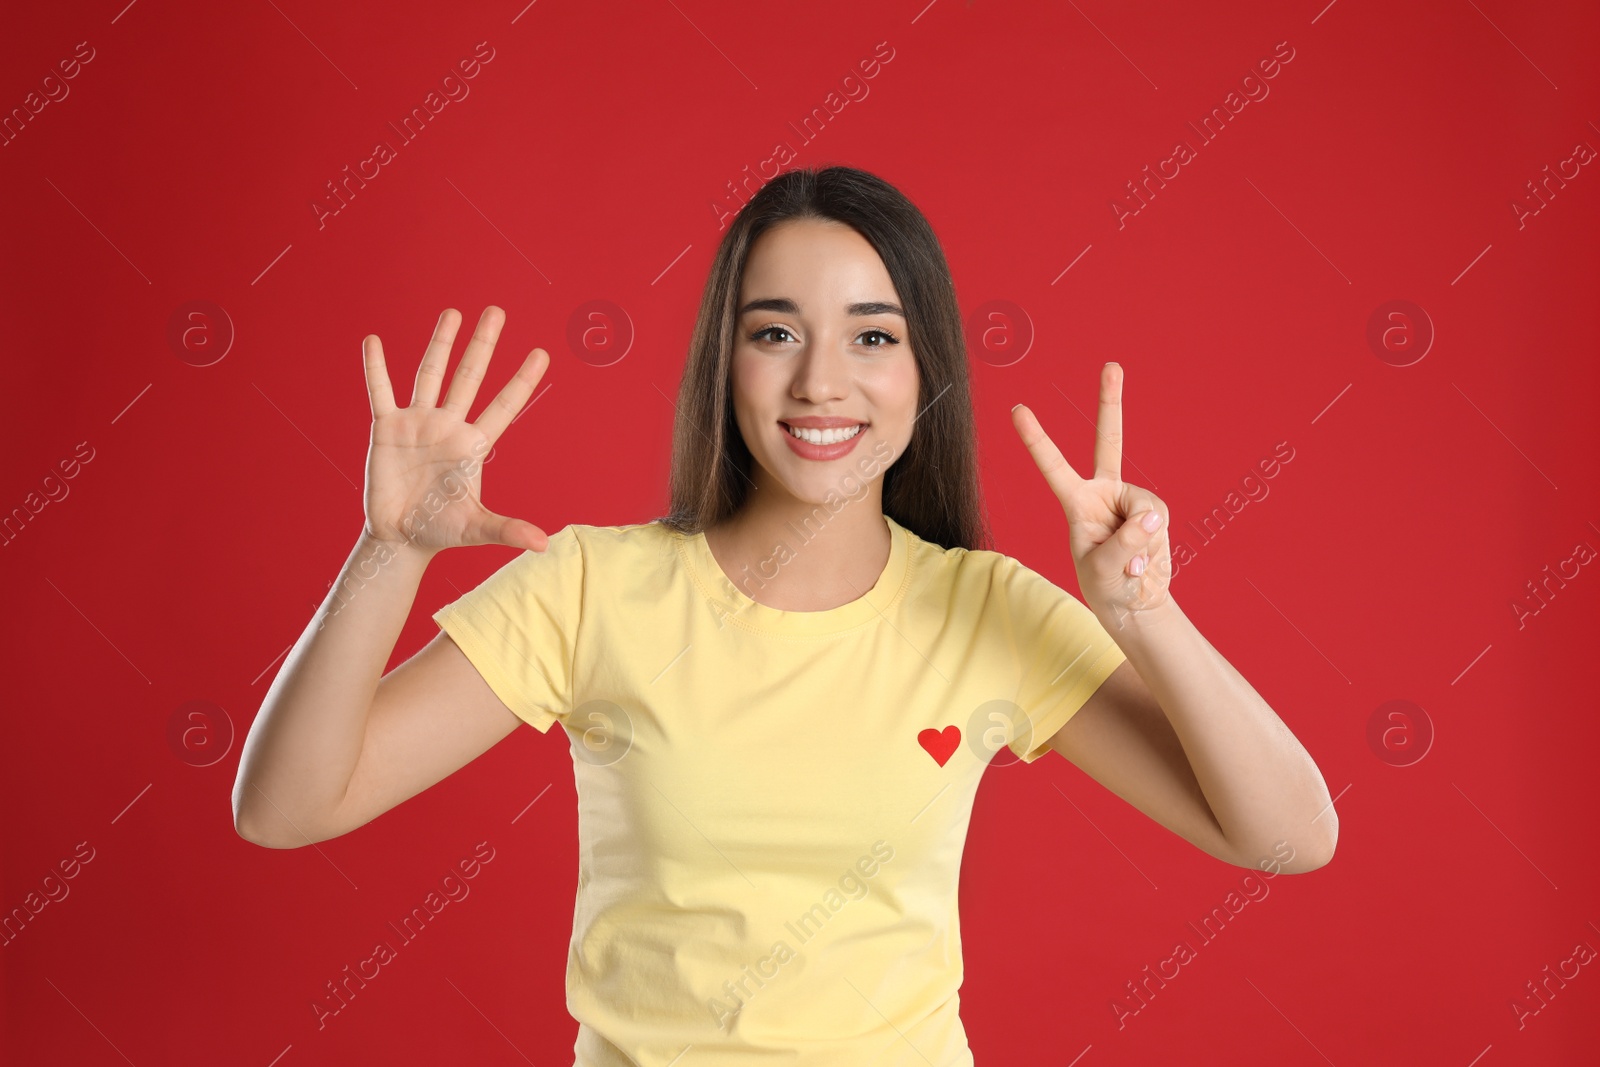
[{"x": 932, "y": 488}]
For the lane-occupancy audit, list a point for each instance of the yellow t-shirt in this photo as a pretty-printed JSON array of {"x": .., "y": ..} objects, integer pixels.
[{"x": 772, "y": 805}]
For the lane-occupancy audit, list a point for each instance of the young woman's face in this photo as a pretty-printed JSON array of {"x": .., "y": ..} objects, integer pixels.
[{"x": 821, "y": 339}]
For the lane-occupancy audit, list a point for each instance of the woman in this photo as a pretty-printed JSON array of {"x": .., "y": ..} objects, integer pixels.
[{"x": 780, "y": 696}]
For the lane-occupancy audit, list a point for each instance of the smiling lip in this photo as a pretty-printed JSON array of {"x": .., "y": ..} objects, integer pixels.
[
  {"x": 807, "y": 450},
  {"x": 821, "y": 422}
]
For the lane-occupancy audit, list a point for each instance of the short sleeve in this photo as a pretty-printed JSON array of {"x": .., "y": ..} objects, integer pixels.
[
  {"x": 1064, "y": 655},
  {"x": 519, "y": 628}
]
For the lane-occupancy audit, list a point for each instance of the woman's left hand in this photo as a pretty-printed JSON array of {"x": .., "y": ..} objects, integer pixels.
[{"x": 1122, "y": 565}]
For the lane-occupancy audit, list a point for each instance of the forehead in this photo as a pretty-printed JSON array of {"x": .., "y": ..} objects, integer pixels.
[{"x": 821, "y": 264}]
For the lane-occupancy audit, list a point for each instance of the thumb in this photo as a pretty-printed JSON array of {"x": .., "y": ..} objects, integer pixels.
[
  {"x": 1139, "y": 531},
  {"x": 514, "y": 533}
]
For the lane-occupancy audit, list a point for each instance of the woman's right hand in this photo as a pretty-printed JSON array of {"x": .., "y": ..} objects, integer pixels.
[{"x": 425, "y": 462}]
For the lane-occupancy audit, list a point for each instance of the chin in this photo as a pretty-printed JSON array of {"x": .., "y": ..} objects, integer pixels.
[{"x": 830, "y": 490}]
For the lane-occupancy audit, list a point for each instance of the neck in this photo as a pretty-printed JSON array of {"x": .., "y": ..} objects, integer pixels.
[{"x": 796, "y": 555}]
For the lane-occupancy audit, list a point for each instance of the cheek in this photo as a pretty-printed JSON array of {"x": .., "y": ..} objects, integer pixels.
[
  {"x": 897, "y": 390},
  {"x": 745, "y": 381},
  {"x": 754, "y": 379}
]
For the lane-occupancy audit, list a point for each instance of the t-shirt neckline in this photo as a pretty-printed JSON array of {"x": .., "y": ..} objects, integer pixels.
[{"x": 752, "y": 614}]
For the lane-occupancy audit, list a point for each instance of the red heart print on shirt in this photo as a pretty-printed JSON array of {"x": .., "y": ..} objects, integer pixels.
[{"x": 941, "y": 744}]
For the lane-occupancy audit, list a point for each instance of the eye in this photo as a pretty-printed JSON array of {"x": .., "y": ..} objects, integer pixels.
[
  {"x": 761, "y": 333},
  {"x": 766, "y": 333},
  {"x": 890, "y": 339}
]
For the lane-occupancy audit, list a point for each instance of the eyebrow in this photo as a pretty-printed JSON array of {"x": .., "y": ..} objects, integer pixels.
[{"x": 784, "y": 306}]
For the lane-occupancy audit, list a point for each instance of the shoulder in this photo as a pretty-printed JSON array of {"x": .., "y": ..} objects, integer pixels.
[
  {"x": 584, "y": 559},
  {"x": 624, "y": 533},
  {"x": 931, "y": 557},
  {"x": 619, "y": 538},
  {"x": 983, "y": 578},
  {"x": 615, "y": 549},
  {"x": 971, "y": 576}
]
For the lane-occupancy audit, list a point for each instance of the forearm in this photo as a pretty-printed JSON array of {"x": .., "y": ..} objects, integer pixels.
[
  {"x": 1261, "y": 784},
  {"x": 303, "y": 747}
]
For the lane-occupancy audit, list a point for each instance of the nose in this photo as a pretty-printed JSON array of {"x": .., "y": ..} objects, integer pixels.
[{"x": 821, "y": 373}]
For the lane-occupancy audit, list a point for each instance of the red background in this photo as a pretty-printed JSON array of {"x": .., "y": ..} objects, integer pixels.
[{"x": 586, "y": 164}]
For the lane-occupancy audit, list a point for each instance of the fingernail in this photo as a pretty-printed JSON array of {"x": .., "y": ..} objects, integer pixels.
[
  {"x": 1015, "y": 406},
  {"x": 1137, "y": 566},
  {"x": 1151, "y": 520}
]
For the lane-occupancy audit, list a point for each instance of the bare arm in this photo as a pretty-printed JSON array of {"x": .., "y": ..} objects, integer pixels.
[
  {"x": 336, "y": 742},
  {"x": 1180, "y": 734},
  {"x": 1122, "y": 739},
  {"x": 334, "y": 746},
  {"x": 1155, "y": 760}
]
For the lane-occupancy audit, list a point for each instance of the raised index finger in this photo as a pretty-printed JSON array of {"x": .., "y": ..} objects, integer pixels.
[
  {"x": 1052, "y": 464},
  {"x": 1108, "y": 428},
  {"x": 507, "y": 404}
]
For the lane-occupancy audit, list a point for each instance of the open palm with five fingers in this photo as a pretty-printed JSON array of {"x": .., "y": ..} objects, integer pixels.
[
  {"x": 1123, "y": 564},
  {"x": 425, "y": 461}
]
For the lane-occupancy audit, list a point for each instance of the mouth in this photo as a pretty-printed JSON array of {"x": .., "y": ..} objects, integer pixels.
[
  {"x": 843, "y": 430},
  {"x": 822, "y": 438}
]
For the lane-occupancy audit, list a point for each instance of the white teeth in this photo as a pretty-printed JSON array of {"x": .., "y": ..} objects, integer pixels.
[{"x": 830, "y": 436}]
